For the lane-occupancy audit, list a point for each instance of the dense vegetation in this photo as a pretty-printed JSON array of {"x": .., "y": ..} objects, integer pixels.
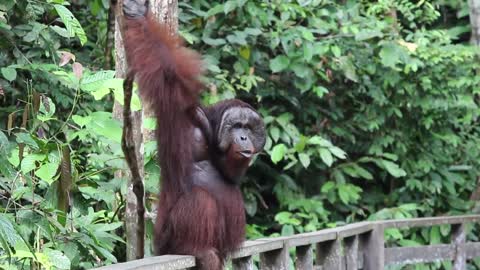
[{"x": 371, "y": 109}]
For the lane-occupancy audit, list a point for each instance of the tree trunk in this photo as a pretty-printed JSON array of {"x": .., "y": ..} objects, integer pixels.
[
  {"x": 110, "y": 39},
  {"x": 167, "y": 12},
  {"x": 131, "y": 206},
  {"x": 474, "y": 6}
]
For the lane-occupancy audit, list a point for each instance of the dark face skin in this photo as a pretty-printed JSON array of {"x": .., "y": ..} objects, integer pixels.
[{"x": 240, "y": 136}]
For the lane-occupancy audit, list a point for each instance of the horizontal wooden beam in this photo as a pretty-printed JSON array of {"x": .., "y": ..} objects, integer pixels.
[
  {"x": 426, "y": 254},
  {"x": 472, "y": 250},
  {"x": 255, "y": 247},
  {"x": 304, "y": 239},
  {"x": 422, "y": 254},
  {"x": 165, "y": 262},
  {"x": 394, "y": 255},
  {"x": 427, "y": 222},
  {"x": 355, "y": 229}
]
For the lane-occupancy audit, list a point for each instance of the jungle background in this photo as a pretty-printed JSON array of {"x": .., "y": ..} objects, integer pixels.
[{"x": 371, "y": 108}]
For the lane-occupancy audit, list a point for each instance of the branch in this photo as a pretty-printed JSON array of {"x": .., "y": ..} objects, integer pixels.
[
  {"x": 109, "y": 40},
  {"x": 128, "y": 147}
]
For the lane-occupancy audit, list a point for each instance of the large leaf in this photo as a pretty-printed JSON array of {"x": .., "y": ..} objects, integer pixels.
[
  {"x": 71, "y": 23},
  {"x": 393, "y": 169},
  {"x": 278, "y": 152},
  {"x": 279, "y": 63},
  {"x": 9, "y": 73},
  {"x": 326, "y": 156}
]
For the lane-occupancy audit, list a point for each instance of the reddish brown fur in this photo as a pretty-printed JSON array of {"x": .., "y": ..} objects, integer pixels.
[
  {"x": 167, "y": 74},
  {"x": 199, "y": 212}
]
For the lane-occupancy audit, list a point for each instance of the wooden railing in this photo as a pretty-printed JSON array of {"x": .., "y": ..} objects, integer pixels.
[{"x": 355, "y": 246}]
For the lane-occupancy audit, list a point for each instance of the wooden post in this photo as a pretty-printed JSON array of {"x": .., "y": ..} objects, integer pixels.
[
  {"x": 274, "y": 260},
  {"x": 351, "y": 253},
  {"x": 329, "y": 254},
  {"x": 244, "y": 263},
  {"x": 458, "y": 239},
  {"x": 304, "y": 259},
  {"x": 374, "y": 249}
]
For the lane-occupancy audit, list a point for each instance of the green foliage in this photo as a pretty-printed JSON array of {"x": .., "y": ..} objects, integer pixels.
[
  {"x": 61, "y": 207},
  {"x": 369, "y": 106}
]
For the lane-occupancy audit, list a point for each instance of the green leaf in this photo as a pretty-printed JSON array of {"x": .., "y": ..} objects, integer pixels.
[
  {"x": 245, "y": 52},
  {"x": 81, "y": 120},
  {"x": 279, "y": 63},
  {"x": 317, "y": 140},
  {"x": 237, "y": 38},
  {"x": 393, "y": 169},
  {"x": 328, "y": 186},
  {"x": 103, "y": 124},
  {"x": 93, "y": 81},
  {"x": 14, "y": 157},
  {"x": 106, "y": 227},
  {"x": 304, "y": 159},
  {"x": 287, "y": 230},
  {"x": 435, "y": 237},
  {"x": 47, "y": 110},
  {"x": 215, "y": 10},
  {"x": 60, "y": 31},
  {"x": 58, "y": 259},
  {"x": 105, "y": 253},
  {"x": 348, "y": 68},
  {"x": 26, "y": 139},
  {"x": 278, "y": 152},
  {"x": 8, "y": 232},
  {"x": 9, "y": 73},
  {"x": 150, "y": 123},
  {"x": 320, "y": 91},
  {"x": 307, "y": 51},
  {"x": 394, "y": 233},
  {"x": 283, "y": 217},
  {"x": 343, "y": 193},
  {"x": 275, "y": 133},
  {"x": 339, "y": 153},
  {"x": 47, "y": 171},
  {"x": 307, "y": 34},
  {"x": 326, "y": 156},
  {"x": 29, "y": 162},
  {"x": 229, "y": 6},
  {"x": 71, "y": 23},
  {"x": 253, "y": 31},
  {"x": 368, "y": 34},
  {"x": 363, "y": 173},
  {"x": 336, "y": 51},
  {"x": 213, "y": 41},
  {"x": 389, "y": 55},
  {"x": 301, "y": 70}
]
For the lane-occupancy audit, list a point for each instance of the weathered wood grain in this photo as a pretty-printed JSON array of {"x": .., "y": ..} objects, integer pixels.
[
  {"x": 422, "y": 254},
  {"x": 304, "y": 258},
  {"x": 458, "y": 240},
  {"x": 274, "y": 260},
  {"x": 351, "y": 253},
  {"x": 250, "y": 248},
  {"x": 166, "y": 262},
  {"x": 350, "y": 247},
  {"x": 244, "y": 263},
  {"x": 373, "y": 249},
  {"x": 427, "y": 222},
  {"x": 330, "y": 255}
]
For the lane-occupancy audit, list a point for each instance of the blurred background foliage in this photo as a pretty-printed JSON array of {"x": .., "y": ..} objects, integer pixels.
[{"x": 371, "y": 109}]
